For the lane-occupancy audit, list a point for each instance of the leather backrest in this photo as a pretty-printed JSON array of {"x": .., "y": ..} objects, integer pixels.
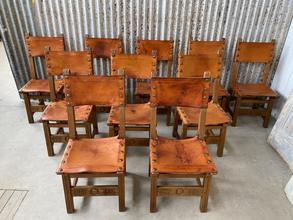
[
  {"x": 102, "y": 47},
  {"x": 196, "y": 47},
  {"x": 183, "y": 92},
  {"x": 164, "y": 48},
  {"x": 36, "y": 45},
  {"x": 94, "y": 90},
  {"x": 257, "y": 52},
  {"x": 134, "y": 66},
  {"x": 78, "y": 62},
  {"x": 196, "y": 65}
]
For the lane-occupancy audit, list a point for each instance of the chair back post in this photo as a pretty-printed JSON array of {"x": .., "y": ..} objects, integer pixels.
[
  {"x": 153, "y": 125},
  {"x": 51, "y": 78},
  {"x": 154, "y": 55},
  {"x": 235, "y": 66},
  {"x": 201, "y": 123},
  {"x": 268, "y": 65},
  {"x": 70, "y": 111},
  {"x": 170, "y": 61},
  {"x": 203, "y": 111},
  {"x": 122, "y": 107},
  {"x": 30, "y": 58}
]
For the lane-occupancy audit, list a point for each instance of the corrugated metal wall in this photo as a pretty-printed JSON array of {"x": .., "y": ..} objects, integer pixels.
[{"x": 252, "y": 20}]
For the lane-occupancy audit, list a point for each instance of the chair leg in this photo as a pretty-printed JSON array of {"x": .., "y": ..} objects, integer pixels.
[
  {"x": 153, "y": 199},
  {"x": 221, "y": 143},
  {"x": 95, "y": 122},
  {"x": 184, "y": 131},
  {"x": 268, "y": 113},
  {"x": 205, "y": 194},
  {"x": 121, "y": 191},
  {"x": 236, "y": 111},
  {"x": 225, "y": 103},
  {"x": 28, "y": 108},
  {"x": 88, "y": 129},
  {"x": 111, "y": 131},
  {"x": 168, "y": 114},
  {"x": 67, "y": 193},
  {"x": 176, "y": 123},
  {"x": 49, "y": 143}
]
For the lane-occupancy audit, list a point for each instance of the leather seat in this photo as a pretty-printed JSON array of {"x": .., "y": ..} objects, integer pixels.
[
  {"x": 57, "y": 111},
  {"x": 41, "y": 85},
  {"x": 215, "y": 115},
  {"x": 254, "y": 90},
  {"x": 144, "y": 88},
  {"x": 135, "y": 114},
  {"x": 180, "y": 156},
  {"x": 104, "y": 155}
]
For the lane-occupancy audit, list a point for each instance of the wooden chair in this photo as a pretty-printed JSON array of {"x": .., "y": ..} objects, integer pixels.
[
  {"x": 196, "y": 47},
  {"x": 137, "y": 115},
  {"x": 187, "y": 158},
  {"x": 164, "y": 50},
  {"x": 37, "y": 88},
  {"x": 99, "y": 157},
  {"x": 217, "y": 119},
  {"x": 55, "y": 115},
  {"x": 259, "y": 95}
]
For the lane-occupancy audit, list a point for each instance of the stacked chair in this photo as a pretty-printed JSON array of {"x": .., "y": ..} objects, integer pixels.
[
  {"x": 258, "y": 95},
  {"x": 55, "y": 115},
  {"x": 89, "y": 157},
  {"x": 217, "y": 119},
  {"x": 203, "y": 48},
  {"x": 200, "y": 102},
  {"x": 164, "y": 51},
  {"x": 37, "y": 88},
  {"x": 137, "y": 115},
  {"x": 187, "y": 158}
]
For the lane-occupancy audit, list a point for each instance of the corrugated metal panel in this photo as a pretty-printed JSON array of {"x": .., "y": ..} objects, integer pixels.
[{"x": 252, "y": 20}]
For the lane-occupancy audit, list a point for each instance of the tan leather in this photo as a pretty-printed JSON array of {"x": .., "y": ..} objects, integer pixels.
[
  {"x": 144, "y": 88},
  {"x": 196, "y": 65},
  {"x": 259, "y": 52},
  {"x": 134, "y": 66},
  {"x": 95, "y": 90},
  {"x": 164, "y": 48},
  {"x": 215, "y": 115},
  {"x": 36, "y": 45},
  {"x": 253, "y": 90},
  {"x": 102, "y": 47},
  {"x": 78, "y": 62},
  {"x": 38, "y": 85},
  {"x": 196, "y": 47},
  {"x": 173, "y": 92},
  {"x": 135, "y": 114},
  {"x": 103, "y": 155},
  {"x": 180, "y": 156},
  {"x": 57, "y": 111}
]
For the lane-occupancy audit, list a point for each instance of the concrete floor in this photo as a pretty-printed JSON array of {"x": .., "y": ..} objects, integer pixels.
[{"x": 249, "y": 184}]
